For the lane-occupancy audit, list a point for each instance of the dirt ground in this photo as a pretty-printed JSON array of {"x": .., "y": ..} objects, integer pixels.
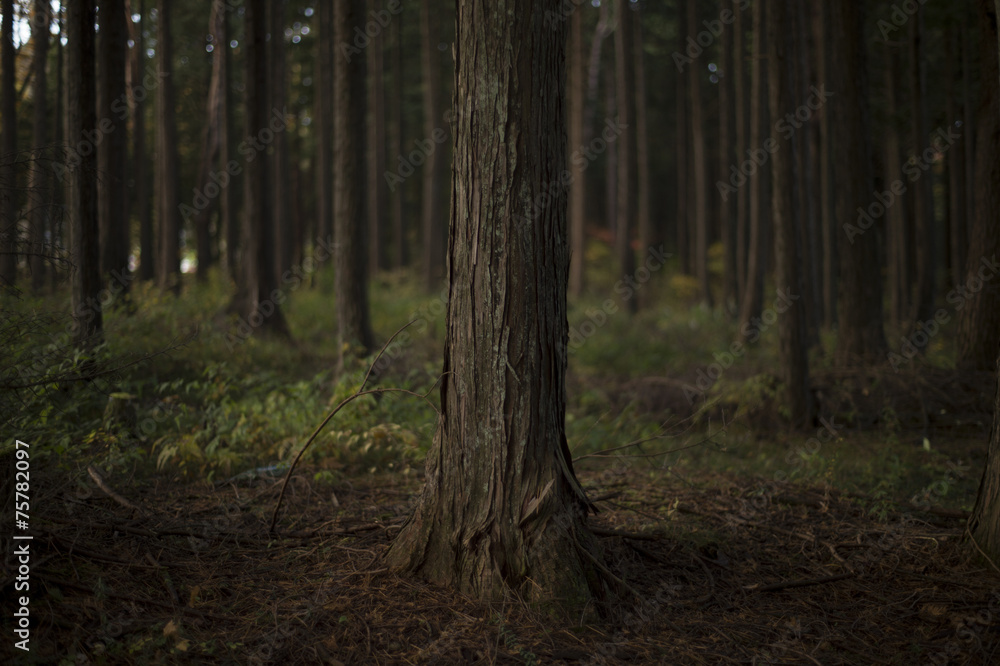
[{"x": 733, "y": 571}]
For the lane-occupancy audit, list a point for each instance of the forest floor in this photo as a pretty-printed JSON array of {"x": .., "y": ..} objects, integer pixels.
[
  {"x": 735, "y": 539},
  {"x": 722, "y": 569}
]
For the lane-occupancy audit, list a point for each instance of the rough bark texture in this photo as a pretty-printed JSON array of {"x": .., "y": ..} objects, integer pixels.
[
  {"x": 169, "y": 264},
  {"x": 627, "y": 193},
  {"x": 80, "y": 116},
  {"x": 40, "y": 182},
  {"x": 979, "y": 318},
  {"x": 350, "y": 215},
  {"x": 8, "y": 149},
  {"x": 433, "y": 170},
  {"x": 578, "y": 189},
  {"x": 984, "y": 523},
  {"x": 860, "y": 334},
  {"x": 787, "y": 213},
  {"x": 112, "y": 152},
  {"x": 501, "y": 508}
]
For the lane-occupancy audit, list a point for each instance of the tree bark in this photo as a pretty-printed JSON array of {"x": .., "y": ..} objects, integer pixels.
[
  {"x": 578, "y": 188},
  {"x": 82, "y": 169},
  {"x": 112, "y": 151},
  {"x": 350, "y": 215},
  {"x": 626, "y": 142},
  {"x": 169, "y": 264},
  {"x": 433, "y": 172},
  {"x": 209, "y": 151},
  {"x": 699, "y": 168},
  {"x": 786, "y": 196},
  {"x": 501, "y": 508},
  {"x": 860, "y": 336},
  {"x": 8, "y": 150},
  {"x": 979, "y": 318},
  {"x": 40, "y": 182},
  {"x": 683, "y": 216}
]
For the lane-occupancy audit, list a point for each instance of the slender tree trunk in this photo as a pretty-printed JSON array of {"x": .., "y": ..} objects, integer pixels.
[
  {"x": 759, "y": 132},
  {"x": 827, "y": 171},
  {"x": 897, "y": 243},
  {"x": 699, "y": 168},
  {"x": 350, "y": 216},
  {"x": 739, "y": 150},
  {"x": 727, "y": 207},
  {"x": 141, "y": 195},
  {"x": 925, "y": 227},
  {"x": 808, "y": 205},
  {"x": 377, "y": 189},
  {"x": 169, "y": 264},
  {"x": 860, "y": 336},
  {"x": 577, "y": 163},
  {"x": 501, "y": 508},
  {"x": 792, "y": 333},
  {"x": 979, "y": 318},
  {"x": 84, "y": 226},
  {"x": 611, "y": 159},
  {"x": 58, "y": 228},
  {"x": 399, "y": 257},
  {"x": 324, "y": 124},
  {"x": 8, "y": 149},
  {"x": 646, "y": 231},
  {"x": 958, "y": 243},
  {"x": 282, "y": 221},
  {"x": 229, "y": 201},
  {"x": 112, "y": 151},
  {"x": 40, "y": 182},
  {"x": 626, "y": 142},
  {"x": 433, "y": 173},
  {"x": 205, "y": 205}
]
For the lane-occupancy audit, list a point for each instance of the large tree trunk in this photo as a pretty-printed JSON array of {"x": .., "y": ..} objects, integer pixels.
[
  {"x": 8, "y": 149},
  {"x": 433, "y": 172},
  {"x": 979, "y": 317},
  {"x": 169, "y": 265},
  {"x": 81, "y": 116},
  {"x": 625, "y": 87},
  {"x": 787, "y": 195},
  {"x": 40, "y": 182},
  {"x": 501, "y": 508},
  {"x": 578, "y": 189},
  {"x": 699, "y": 166},
  {"x": 860, "y": 336},
  {"x": 112, "y": 151},
  {"x": 350, "y": 215}
]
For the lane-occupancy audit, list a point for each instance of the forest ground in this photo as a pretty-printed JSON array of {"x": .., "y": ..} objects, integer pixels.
[{"x": 734, "y": 539}]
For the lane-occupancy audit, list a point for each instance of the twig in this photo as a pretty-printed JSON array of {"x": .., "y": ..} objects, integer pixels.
[
  {"x": 110, "y": 492},
  {"x": 773, "y": 587},
  {"x": 343, "y": 403}
]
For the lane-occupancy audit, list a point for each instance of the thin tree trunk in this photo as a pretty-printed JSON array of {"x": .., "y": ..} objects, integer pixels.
[
  {"x": 399, "y": 257},
  {"x": 860, "y": 335},
  {"x": 229, "y": 201},
  {"x": 82, "y": 116},
  {"x": 897, "y": 254},
  {"x": 727, "y": 207},
  {"x": 112, "y": 151},
  {"x": 40, "y": 182},
  {"x": 350, "y": 216},
  {"x": 377, "y": 189},
  {"x": 140, "y": 162},
  {"x": 169, "y": 264},
  {"x": 324, "y": 125},
  {"x": 577, "y": 164},
  {"x": 699, "y": 166},
  {"x": 827, "y": 174},
  {"x": 433, "y": 173},
  {"x": 683, "y": 216},
  {"x": 924, "y": 223},
  {"x": 58, "y": 220},
  {"x": 626, "y": 142},
  {"x": 282, "y": 221},
  {"x": 8, "y": 150},
  {"x": 646, "y": 231},
  {"x": 501, "y": 508},
  {"x": 611, "y": 159},
  {"x": 808, "y": 206},
  {"x": 957, "y": 240},
  {"x": 739, "y": 150}
]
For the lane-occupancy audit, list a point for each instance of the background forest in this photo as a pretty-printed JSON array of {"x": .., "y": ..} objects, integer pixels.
[{"x": 783, "y": 310}]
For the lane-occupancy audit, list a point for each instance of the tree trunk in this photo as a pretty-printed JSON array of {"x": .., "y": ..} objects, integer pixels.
[
  {"x": 782, "y": 74},
  {"x": 169, "y": 264},
  {"x": 8, "y": 149},
  {"x": 727, "y": 207},
  {"x": 399, "y": 241},
  {"x": 925, "y": 228},
  {"x": 501, "y": 508},
  {"x": 827, "y": 172},
  {"x": 699, "y": 166},
  {"x": 433, "y": 172},
  {"x": 229, "y": 201},
  {"x": 808, "y": 205},
  {"x": 897, "y": 244},
  {"x": 739, "y": 150},
  {"x": 200, "y": 214},
  {"x": 377, "y": 189},
  {"x": 40, "y": 182},
  {"x": 646, "y": 232},
  {"x": 140, "y": 162},
  {"x": 578, "y": 188},
  {"x": 759, "y": 132},
  {"x": 82, "y": 169},
  {"x": 979, "y": 318},
  {"x": 350, "y": 216},
  {"x": 625, "y": 93},
  {"x": 112, "y": 151},
  {"x": 860, "y": 336},
  {"x": 611, "y": 159},
  {"x": 282, "y": 220},
  {"x": 958, "y": 242},
  {"x": 324, "y": 124}
]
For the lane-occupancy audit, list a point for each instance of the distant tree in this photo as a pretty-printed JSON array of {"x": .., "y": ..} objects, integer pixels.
[
  {"x": 727, "y": 156},
  {"x": 924, "y": 227},
  {"x": 827, "y": 173},
  {"x": 501, "y": 508},
  {"x": 81, "y": 167},
  {"x": 898, "y": 264},
  {"x": 324, "y": 123},
  {"x": 647, "y": 234},
  {"x": 860, "y": 336},
  {"x": 699, "y": 166},
  {"x": 40, "y": 181},
  {"x": 229, "y": 201},
  {"x": 349, "y": 198},
  {"x": 626, "y": 142},
  {"x": 958, "y": 242},
  {"x": 979, "y": 319},
  {"x": 683, "y": 129},
  {"x": 433, "y": 170},
  {"x": 787, "y": 195},
  {"x": 739, "y": 150},
  {"x": 395, "y": 139},
  {"x": 112, "y": 151},
  {"x": 8, "y": 148},
  {"x": 168, "y": 265},
  {"x": 283, "y": 221},
  {"x": 140, "y": 160},
  {"x": 377, "y": 187},
  {"x": 575, "y": 93}
]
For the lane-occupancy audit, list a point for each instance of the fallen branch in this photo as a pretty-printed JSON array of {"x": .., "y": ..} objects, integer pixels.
[
  {"x": 109, "y": 491},
  {"x": 774, "y": 587}
]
